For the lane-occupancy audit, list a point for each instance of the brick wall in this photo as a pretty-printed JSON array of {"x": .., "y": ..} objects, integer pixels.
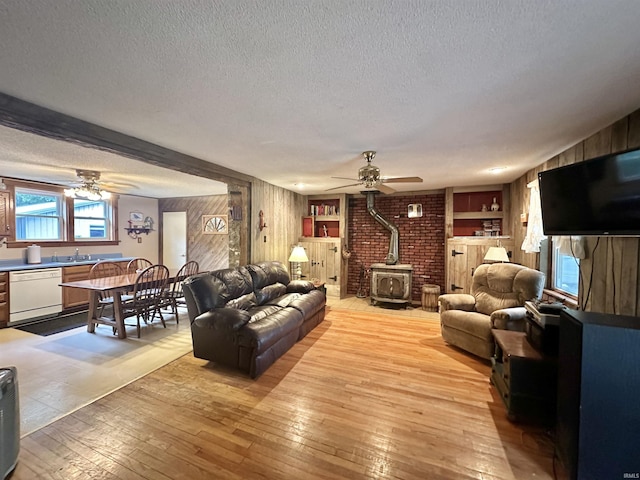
[{"x": 421, "y": 239}]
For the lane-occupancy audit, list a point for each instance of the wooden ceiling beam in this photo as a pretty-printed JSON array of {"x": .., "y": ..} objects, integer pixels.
[{"x": 31, "y": 118}]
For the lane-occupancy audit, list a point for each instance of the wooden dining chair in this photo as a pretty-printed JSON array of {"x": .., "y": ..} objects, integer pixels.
[
  {"x": 173, "y": 295},
  {"x": 104, "y": 269},
  {"x": 138, "y": 264},
  {"x": 147, "y": 295}
]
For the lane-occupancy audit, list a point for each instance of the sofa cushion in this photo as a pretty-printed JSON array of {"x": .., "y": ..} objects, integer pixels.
[
  {"x": 243, "y": 302},
  {"x": 309, "y": 303},
  {"x": 206, "y": 292},
  {"x": 270, "y": 292},
  {"x": 258, "y": 313},
  {"x": 300, "y": 286},
  {"x": 283, "y": 300},
  {"x": 268, "y": 273},
  {"x": 224, "y": 319},
  {"x": 268, "y": 330},
  {"x": 497, "y": 286},
  {"x": 236, "y": 283}
]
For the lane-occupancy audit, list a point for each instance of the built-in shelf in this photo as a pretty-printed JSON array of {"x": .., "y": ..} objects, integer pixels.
[{"x": 476, "y": 215}]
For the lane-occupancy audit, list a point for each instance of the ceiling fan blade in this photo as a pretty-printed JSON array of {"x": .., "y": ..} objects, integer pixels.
[
  {"x": 385, "y": 189},
  {"x": 402, "y": 180},
  {"x": 343, "y": 186},
  {"x": 347, "y": 178}
]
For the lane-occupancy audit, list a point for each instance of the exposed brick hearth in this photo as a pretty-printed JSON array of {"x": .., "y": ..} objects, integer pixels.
[{"x": 421, "y": 239}]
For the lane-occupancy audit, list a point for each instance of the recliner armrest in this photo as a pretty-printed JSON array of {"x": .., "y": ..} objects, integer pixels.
[
  {"x": 509, "y": 319},
  {"x": 457, "y": 301},
  {"x": 228, "y": 319},
  {"x": 300, "y": 286}
]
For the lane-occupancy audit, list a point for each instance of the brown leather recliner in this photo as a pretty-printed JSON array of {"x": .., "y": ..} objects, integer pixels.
[
  {"x": 498, "y": 293},
  {"x": 248, "y": 317}
]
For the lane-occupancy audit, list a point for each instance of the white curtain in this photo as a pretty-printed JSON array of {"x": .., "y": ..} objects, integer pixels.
[
  {"x": 572, "y": 246},
  {"x": 535, "y": 235}
]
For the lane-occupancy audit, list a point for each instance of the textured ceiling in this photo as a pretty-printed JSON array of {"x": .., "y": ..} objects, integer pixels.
[{"x": 293, "y": 91}]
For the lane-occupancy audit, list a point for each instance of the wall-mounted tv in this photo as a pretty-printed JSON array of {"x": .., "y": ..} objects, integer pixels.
[{"x": 595, "y": 197}]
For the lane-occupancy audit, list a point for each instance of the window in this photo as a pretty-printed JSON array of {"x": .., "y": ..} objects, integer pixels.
[
  {"x": 39, "y": 214},
  {"x": 565, "y": 272},
  {"x": 44, "y": 214},
  {"x": 90, "y": 219}
]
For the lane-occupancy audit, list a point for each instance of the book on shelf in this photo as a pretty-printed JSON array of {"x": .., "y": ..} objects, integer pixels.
[{"x": 323, "y": 210}]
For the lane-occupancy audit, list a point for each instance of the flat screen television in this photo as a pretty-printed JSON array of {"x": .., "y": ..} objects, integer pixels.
[{"x": 595, "y": 197}]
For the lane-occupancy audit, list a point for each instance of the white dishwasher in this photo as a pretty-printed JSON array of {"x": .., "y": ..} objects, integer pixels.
[{"x": 34, "y": 293}]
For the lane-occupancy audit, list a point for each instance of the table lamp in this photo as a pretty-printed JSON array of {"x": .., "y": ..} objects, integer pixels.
[
  {"x": 496, "y": 254},
  {"x": 298, "y": 255}
]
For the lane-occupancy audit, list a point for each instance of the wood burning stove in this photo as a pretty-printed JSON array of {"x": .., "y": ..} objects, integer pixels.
[{"x": 391, "y": 283}]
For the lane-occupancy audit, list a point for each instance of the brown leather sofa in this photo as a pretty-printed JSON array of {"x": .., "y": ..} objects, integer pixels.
[
  {"x": 248, "y": 317},
  {"x": 498, "y": 293}
]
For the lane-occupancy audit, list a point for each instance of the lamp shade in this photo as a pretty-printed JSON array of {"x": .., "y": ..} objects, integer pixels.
[
  {"x": 298, "y": 254},
  {"x": 496, "y": 254}
]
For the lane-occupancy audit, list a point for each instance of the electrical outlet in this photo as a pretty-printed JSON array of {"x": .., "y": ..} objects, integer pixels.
[
  {"x": 265, "y": 239},
  {"x": 139, "y": 239}
]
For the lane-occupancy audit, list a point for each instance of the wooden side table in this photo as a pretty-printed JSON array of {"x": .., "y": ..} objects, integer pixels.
[
  {"x": 525, "y": 378},
  {"x": 320, "y": 286}
]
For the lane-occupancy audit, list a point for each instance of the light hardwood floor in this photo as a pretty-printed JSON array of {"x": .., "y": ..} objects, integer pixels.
[{"x": 364, "y": 396}]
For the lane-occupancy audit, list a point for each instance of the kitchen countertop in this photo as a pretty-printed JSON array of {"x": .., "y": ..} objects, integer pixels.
[{"x": 15, "y": 265}]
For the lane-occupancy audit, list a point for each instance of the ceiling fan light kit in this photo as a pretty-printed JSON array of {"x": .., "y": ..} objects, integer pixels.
[
  {"x": 89, "y": 188},
  {"x": 369, "y": 177}
]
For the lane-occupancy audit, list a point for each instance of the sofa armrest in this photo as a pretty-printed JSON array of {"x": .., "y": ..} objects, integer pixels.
[
  {"x": 300, "y": 286},
  {"x": 509, "y": 319},
  {"x": 227, "y": 319},
  {"x": 457, "y": 301}
]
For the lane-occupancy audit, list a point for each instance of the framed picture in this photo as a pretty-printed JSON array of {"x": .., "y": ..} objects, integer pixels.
[
  {"x": 215, "y": 224},
  {"x": 136, "y": 217}
]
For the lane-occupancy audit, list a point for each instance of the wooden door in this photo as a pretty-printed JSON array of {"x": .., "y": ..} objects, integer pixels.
[
  {"x": 324, "y": 264},
  {"x": 174, "y": 239},
  {"x": 457, "y": 271},
  {"x": 333, "y": 257}
]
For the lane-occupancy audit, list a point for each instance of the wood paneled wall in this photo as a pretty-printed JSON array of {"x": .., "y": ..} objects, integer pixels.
[
  {"x": 210, "y": 251},
  {"x": 283, "y": 211},
  {"x": 610, "y": 275}
]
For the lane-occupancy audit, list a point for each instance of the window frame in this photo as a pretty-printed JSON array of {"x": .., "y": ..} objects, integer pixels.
[
  {"x": 107, "y": 220},
  {"x": 60, "y": 212},
  {"x": 548, "y": 263},
  {"x": 555, "y": 270},
  {"x": 68, "y": 238}
]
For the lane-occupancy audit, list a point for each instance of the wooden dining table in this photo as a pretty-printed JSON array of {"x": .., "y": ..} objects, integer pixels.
[{"x": 116, "y": 286}]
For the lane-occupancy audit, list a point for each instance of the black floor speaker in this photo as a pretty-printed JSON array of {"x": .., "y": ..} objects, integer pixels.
[
  {"x": 598, "y": 410},
  {"x": 9, "y": 420}
]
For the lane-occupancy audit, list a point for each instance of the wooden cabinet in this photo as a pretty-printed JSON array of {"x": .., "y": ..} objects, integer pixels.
[
  {"x": 471, "y": 229},
  {"x": 4, "y": 299},
  {"x": 325, "y": 263},
  {"x": 525, "y": 378},
  {"x": 5, "y": 205},
  {"x": 323, "y": 238},
  {"x": 77, "y": 297},
  {"x": 463, "y": 255}
]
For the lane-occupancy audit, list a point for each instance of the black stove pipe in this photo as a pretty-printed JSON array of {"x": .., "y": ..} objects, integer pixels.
[{"x": 392, "y": 256}]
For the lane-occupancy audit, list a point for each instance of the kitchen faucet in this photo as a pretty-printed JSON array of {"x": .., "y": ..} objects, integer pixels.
[{"x": 77, "y": 254}]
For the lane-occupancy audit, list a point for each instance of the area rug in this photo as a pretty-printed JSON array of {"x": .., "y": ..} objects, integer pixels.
[{"x": 50, "y": 326}]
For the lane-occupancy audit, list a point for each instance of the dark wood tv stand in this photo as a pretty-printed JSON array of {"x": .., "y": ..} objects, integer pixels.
[{"x": 525, "y": 378}]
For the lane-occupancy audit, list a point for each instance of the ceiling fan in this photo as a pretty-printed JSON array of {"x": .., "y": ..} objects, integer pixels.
[
  {"x": 89, "y": 186},
  {"x": 369, "y": 176}
]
